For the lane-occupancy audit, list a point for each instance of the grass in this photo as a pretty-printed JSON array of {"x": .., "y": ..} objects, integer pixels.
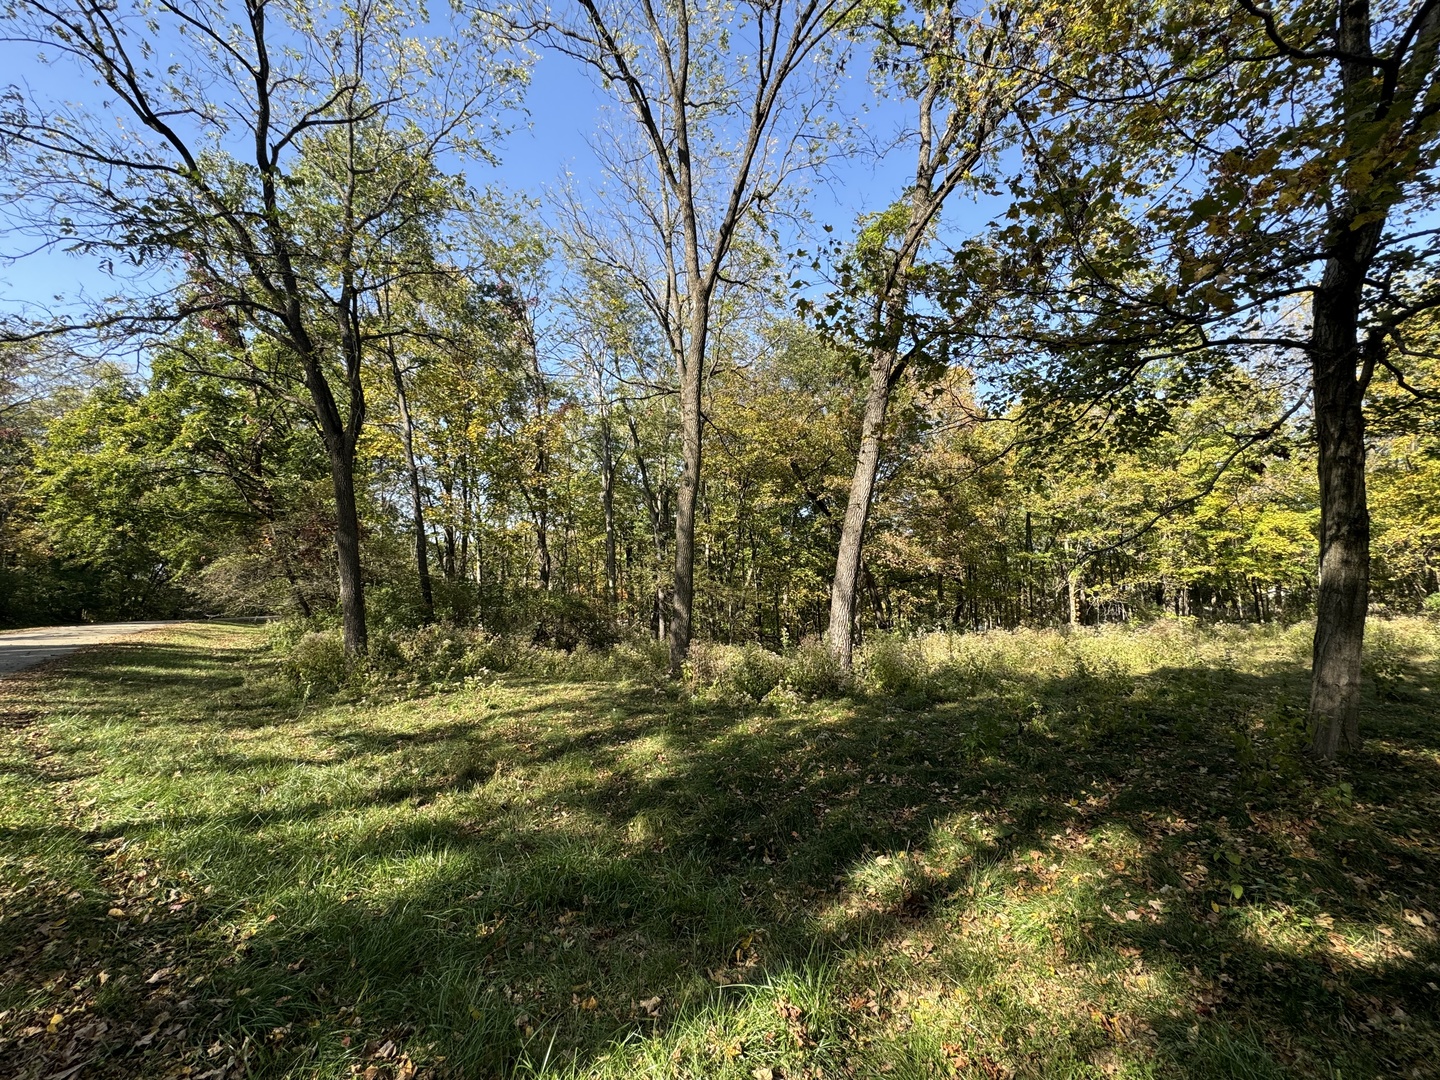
[{"x": 1032, "y": 854}]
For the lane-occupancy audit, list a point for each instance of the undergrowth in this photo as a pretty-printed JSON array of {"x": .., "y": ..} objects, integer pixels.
[{"x": 1097, "y": 853}]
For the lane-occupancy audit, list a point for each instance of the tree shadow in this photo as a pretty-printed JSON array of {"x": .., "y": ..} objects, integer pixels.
[{"x": 1112, "y": 873}]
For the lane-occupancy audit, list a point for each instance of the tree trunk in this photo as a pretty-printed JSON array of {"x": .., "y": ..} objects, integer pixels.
[
  {"x": 682, "y": 602},
  {"x": 840, "y": 633},
  {"x": 607, "y": 500},
  {"x": 339, "y": 437},
  {"x": 542, "y": 541},
  {"x": 656, "y": 506},
  {"x": 287, "y": 568},
  {"x": 417, "y": 505},
  {"x": 944, "y": 157},
  {"x": 1344, "y": 588},
  {"x": 347, "y": 553},
  {"x": 540, "y": 499}
]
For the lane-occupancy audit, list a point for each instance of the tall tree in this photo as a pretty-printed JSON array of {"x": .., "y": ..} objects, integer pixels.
[
  {"x": 1219, "y": 186},
  {"x": 723, "y": 97},
  {"x": 268, "y": 168},
  {"x": 963, "y": 72},
  {"x": 406, "y": 428}
]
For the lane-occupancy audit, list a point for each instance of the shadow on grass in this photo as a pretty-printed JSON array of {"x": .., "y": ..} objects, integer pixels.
[{"x": 1078, "y": 875}]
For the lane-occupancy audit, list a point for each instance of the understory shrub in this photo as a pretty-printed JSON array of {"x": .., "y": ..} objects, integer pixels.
[
  {"x": 1094, "y": 663},
  {"x": 758, "y": 671},
  {"x": 896, "y": 667},
  {"x": 427, "y": 654},
  {"x": 565, "y": 621},
  {"x": 315, "y": 660},
  {"x": 813, "y": 671},
  {"x": 752, "y": 672}
]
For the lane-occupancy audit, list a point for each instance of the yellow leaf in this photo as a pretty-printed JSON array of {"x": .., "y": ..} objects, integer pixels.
[{"x": 55, "y": 1022}]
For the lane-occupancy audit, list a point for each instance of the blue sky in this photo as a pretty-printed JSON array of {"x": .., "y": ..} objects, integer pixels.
[{"x": 563, "y": 105}]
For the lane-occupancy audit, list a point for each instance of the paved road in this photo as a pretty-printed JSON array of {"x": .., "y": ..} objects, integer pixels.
[{"x": 22, "y": 648}]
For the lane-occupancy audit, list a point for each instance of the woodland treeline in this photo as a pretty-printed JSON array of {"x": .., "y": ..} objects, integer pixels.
[{"x": 345, "y": 376}]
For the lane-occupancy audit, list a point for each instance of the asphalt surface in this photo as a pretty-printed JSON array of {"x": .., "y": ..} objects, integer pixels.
[{"x": 20, "y": 649}]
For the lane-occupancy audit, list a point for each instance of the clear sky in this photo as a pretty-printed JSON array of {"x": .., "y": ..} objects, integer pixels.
[{"x": 563, "y": 104}]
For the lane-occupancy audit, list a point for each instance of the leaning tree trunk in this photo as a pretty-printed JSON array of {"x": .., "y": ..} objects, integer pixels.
[
  {"x": 417, "y": 503},
  {"x": 347, "y": 552},
  {"x": 840, "y": 633},
  {"x": 1344, "y": 590},
  {"x": 339, "y": 438}
]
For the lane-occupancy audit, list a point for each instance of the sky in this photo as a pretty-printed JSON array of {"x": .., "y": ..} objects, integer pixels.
[{"x": 563, "y": 105}]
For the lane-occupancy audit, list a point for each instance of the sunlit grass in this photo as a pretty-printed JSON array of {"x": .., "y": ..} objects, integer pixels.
[{"x": 1028, "y": 854}]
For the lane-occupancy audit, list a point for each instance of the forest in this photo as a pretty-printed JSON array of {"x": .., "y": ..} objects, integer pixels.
[
  {"x": 357, "y": 383},
  {"x": 1019, "y": 384}
]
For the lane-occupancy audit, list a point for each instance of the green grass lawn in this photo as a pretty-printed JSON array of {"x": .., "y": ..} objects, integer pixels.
[{"x": 1098, "y": 854}]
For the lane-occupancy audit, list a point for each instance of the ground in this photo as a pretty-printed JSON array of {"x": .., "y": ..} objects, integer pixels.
[{"x": 1098, "y": 854}]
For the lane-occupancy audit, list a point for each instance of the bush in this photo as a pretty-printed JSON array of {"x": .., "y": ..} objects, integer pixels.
[
  {"x": 705, "y": 665},
  {"x": 758, "y": 671},
  {"x": 641, "y": 658},
  {"x": 753, "y": 673},
  {"x": 564, "y": 621},
  {"x": 316, "y": 660},
  {"x": 437, "y": 653},
  {"x": 1384, "y": 660},
  {"x": 1431, "y": 605},
  {"x": 813, "y": 671},
  {"x": 896, "y": 667}
]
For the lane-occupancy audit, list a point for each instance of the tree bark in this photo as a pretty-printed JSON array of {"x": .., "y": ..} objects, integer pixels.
[
  {"x": 944, "y": 157},
  {"x": 841, "y": 631},
  {"x": 417, "y": 504},
  {"x": 682, "y": 602},
  {"x": 340, "y": 436},
  {"x": 347, "y": 552},
  {"x": 656, "y": 505},
  {"x": 702, "y": 211},
  {"x": 607, "y": 500},
  {"x": 542, "y": 544},
  {"x": 1344, "y": 587}
]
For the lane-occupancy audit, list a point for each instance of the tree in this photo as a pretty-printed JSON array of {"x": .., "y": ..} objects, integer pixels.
[
  {"x": 36, "y": 385},
  {"x": 1229, "y": 187},
  {"x": 266, "y": 173},
  {"x": 715, "y": 91},
  {"x": 964, "y": 73}
]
